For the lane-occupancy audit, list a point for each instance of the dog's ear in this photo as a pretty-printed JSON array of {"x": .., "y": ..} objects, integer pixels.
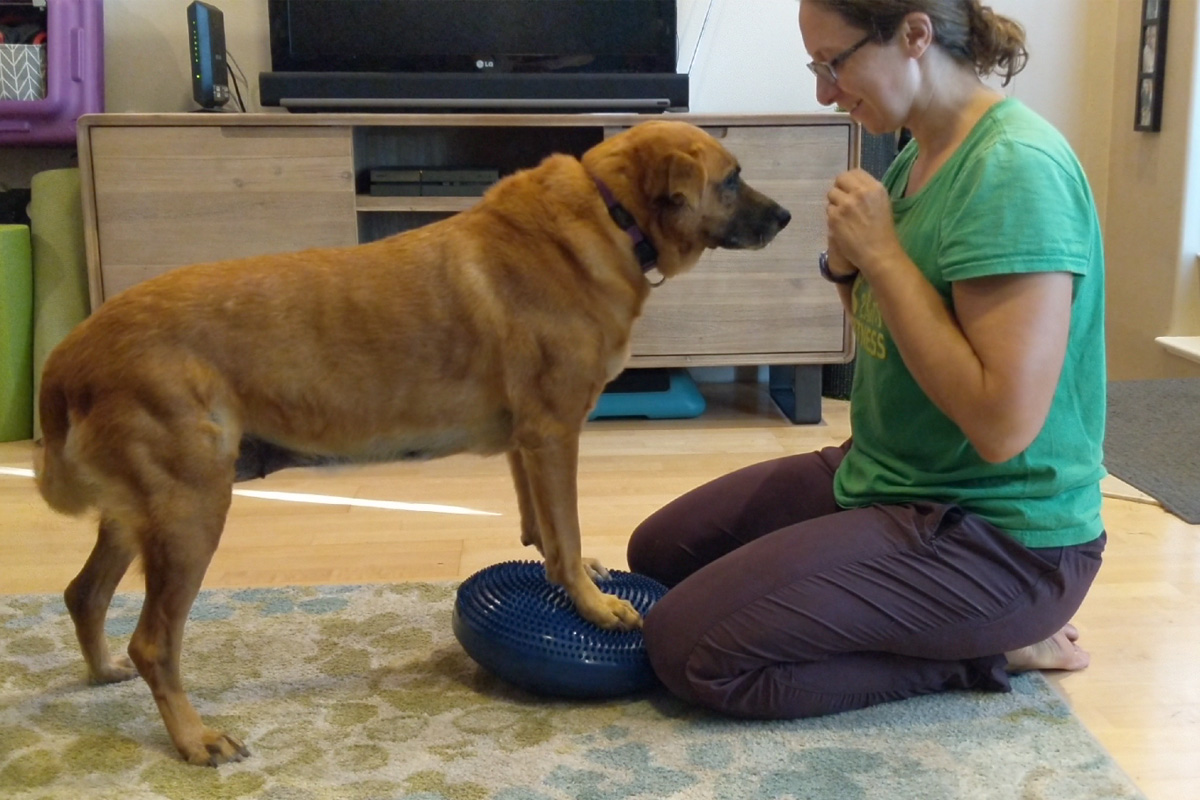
[{"x": 685, "y": 177}]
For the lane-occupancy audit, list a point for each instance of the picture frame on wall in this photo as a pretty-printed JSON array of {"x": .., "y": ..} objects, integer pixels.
[{"x": 1152, "y": 57}]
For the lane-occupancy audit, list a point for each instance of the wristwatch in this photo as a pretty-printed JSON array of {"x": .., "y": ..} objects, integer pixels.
[{"x": 823, "y": 268}]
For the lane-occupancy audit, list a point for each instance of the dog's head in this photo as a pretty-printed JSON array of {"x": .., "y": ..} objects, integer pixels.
[{"x": 688, "y": 192}]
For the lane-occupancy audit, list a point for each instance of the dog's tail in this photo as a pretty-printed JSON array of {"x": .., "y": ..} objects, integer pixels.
[{"x": 58, "y": 478}]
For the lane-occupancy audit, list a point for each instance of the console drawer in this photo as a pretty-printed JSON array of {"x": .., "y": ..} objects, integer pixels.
[{"x": 187, "y": 195}]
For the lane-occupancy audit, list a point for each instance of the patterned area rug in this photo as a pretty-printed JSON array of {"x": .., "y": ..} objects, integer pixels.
[{"x": 352, "y": 693}]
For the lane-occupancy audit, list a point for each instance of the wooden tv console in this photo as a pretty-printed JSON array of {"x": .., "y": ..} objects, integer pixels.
[{"x": 166, "y": 190}]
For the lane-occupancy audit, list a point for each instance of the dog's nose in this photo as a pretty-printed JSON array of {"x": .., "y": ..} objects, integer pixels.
[{"x": 783, "y": 216}]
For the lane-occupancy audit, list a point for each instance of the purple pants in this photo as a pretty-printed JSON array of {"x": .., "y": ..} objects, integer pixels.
[{"x": 783, "y": 604}]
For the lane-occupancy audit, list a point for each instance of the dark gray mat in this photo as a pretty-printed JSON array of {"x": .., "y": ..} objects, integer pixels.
[{"x": 1153, "y": 441}]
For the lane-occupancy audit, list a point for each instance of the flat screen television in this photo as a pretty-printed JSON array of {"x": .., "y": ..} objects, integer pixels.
[{"x": 608, "y": 55}]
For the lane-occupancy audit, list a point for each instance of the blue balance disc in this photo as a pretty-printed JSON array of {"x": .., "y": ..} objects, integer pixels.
[{"x": 524, "y": 629}]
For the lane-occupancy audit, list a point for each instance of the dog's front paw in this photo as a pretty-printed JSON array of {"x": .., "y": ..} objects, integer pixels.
[{"x": 613, "y": 613}]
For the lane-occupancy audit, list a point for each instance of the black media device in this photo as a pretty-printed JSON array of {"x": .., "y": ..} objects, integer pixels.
[
  {"x": 210, "y": 74},
  {"x": 474, "y": 55}
]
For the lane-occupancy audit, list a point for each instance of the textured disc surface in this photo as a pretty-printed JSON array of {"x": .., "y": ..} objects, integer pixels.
[{"x": 524, "y": 629}]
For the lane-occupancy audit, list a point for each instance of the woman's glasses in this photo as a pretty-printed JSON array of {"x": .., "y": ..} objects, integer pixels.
[{"x": 827, "y": 70}]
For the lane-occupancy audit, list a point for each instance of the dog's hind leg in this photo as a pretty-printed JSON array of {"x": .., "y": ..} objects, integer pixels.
[
  {"x": 179, "y": 469},
  {"x": 88, "y": 597},
  {"x": 176, "y": 550}
]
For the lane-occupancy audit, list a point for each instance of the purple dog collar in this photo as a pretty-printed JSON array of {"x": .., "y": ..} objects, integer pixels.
[{"x": 646, "y": 254}]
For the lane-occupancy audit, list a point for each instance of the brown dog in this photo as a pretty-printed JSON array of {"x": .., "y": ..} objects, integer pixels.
[{"x": 494, "y": 330}]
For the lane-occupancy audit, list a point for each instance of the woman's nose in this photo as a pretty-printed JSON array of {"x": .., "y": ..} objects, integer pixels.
[{"x": 827, "y": 92}]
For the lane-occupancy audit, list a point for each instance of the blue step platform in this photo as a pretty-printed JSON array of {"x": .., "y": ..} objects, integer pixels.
[{"x": 651, "y": 394}]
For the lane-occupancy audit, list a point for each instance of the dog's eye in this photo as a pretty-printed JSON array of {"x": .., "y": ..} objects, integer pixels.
[{"x": 733, "y": 181}]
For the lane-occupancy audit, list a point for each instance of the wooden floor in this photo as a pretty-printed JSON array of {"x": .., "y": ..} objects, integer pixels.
[{"x": 1141, "y": 622}]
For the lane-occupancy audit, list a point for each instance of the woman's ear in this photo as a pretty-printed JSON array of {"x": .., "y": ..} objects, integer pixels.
[{"x": 916, "y": 33}]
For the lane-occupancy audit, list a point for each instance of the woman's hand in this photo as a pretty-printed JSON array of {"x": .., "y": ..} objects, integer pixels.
[{"x": 859, "y": 218}]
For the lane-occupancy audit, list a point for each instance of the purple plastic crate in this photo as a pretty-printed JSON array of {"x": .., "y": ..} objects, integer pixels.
[{"x": 74, "y": 77}]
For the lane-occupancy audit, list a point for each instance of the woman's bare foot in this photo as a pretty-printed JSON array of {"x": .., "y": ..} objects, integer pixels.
[{"x": 1057, "y": 652}]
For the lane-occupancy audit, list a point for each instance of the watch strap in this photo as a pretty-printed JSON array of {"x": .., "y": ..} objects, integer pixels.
[{"x": 823, "y": 268}]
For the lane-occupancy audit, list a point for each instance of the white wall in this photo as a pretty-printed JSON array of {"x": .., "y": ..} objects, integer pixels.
[
  {"x": 750, "y": 59},
  {"x": 1080, "y": 76},
  {"x": 146, "y": 51},
  {"x": 746, "y": 56},
  {"x": 1152, "y": 232},
  {"x": 1185, "y": 316}
]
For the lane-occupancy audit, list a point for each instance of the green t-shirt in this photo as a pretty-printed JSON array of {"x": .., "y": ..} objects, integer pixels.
[{"x": 1012, "y": 199}]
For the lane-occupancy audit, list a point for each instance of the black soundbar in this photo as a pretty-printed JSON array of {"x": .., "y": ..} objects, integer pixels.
[{"x": 452, "y": 91}]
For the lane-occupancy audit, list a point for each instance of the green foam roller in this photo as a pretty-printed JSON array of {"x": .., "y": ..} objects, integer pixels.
[
  {"x": 16, "y": 334},
  {"x": 60, "y": 280}
]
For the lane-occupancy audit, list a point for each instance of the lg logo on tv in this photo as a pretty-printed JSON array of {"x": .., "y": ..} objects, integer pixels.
[{"x": 484, "y": 63}]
